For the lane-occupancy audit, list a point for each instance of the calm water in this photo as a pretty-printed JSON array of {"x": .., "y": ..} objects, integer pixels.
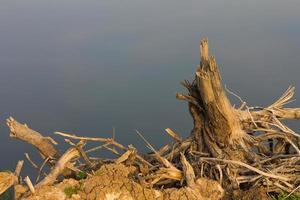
[{"x": 88, "y": 66}]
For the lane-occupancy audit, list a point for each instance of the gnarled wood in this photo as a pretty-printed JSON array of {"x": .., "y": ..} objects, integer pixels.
[
  {"x": 45, "y": 145},
  {"x": 247, "y": 135},
  {"x": 216, "y": 125},
  {"x": 240, "y": 148}
]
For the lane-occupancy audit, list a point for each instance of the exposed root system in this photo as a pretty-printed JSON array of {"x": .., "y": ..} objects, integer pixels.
[{"x": 229, "y": 150}]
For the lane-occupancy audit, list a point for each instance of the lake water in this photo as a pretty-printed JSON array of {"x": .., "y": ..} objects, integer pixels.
[{"x": 85, "y": 67}]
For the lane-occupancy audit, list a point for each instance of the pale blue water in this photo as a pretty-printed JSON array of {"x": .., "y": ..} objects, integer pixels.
[{"x": 87, "y": 66}]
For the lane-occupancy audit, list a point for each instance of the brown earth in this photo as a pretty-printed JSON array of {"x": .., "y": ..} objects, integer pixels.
[
  {"x": 116, "y": 182},
  {"x": 252, "y": 194}
]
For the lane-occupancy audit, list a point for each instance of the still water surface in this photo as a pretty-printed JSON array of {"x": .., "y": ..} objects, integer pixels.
[{"x": 87, "y": 66}]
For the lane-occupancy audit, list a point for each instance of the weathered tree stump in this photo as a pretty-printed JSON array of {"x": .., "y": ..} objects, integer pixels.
[
  {"x": 235, "y": 149},
  {"x": 217, "y": 129}
]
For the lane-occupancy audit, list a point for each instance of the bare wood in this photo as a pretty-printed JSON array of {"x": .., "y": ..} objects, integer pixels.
[
  {"x": 181, "y": 148},
  {"x": 274, "y": 110},
  {"x": 174, "y": 135},
  {"x": 60, "y": 166},
  {"x": 22, "y": 132},
  {"x": 188, "y": 171},
  {"x": 204, "y": 50},
  {"x": 83, "y": 154},
  {"x": 125, "y": 156},
  {"x": 98, "y": 139},
  {"x": 261, "y": 115},
  {"x": 19, "y": 167},
  {"x": 213, "y": 95},
  {"x": 105, "y": 140},
  {"x": 29, "y": 184},
  {"x": 234, "y": 146},
  {"x": 168, "y": 170},
  {"x": 97, "y": 148},
  {"x": 239, "y": 136},
  {"x": 216, "y": 126},
  {"x": 283, "y": 178},
  {"x": 17, "y": 173},
  {"x": 40, "y": 170},
  {"x": 161, "y": 159},
  {"x": 31, "y": 161}
]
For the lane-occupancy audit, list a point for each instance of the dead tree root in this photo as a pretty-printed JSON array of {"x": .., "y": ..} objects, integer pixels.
[{"x": 229, "y": 150}]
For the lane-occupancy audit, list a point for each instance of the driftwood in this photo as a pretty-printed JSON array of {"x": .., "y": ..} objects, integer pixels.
[
  {"x": 29, "y": 184},
  {"x": 240, "y": 148},
  {"x": 60, "y": 166},
  {"x": 18, "y": 169},
  {"x": 45, "y": 145}
]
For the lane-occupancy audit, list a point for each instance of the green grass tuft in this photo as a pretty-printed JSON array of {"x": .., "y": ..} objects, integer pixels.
[
  {"x": 69, "y": 191},
  {"x": 80, "y": 176},
  {"x": 284, "y": 196}
]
